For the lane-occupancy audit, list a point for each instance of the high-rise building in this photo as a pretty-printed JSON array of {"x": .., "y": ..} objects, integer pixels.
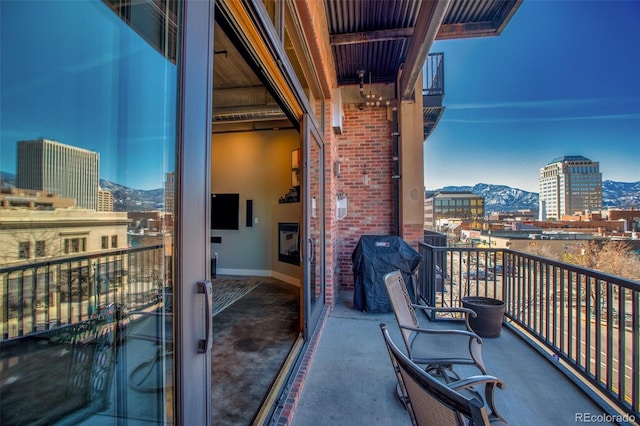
[
  {"x": 105, "y": 200},
  {"x": 66, "y": 170},
  {"x": 569, "y": 184},
  {"x": 169, "y": 192}
]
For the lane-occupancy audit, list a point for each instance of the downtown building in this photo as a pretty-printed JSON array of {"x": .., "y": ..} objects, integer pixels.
[
  {"x": 68, "y": 171},
  {"x": 443, "y": 207},
  {"x": 569, "y": 184},
  {"x": 105, "y": 200}
]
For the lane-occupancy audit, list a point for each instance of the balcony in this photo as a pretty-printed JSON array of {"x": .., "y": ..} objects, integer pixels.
[
  {"x": 62, "y": 331},
  {"x": 564, "y": 358},
  {"x": 570, "y": 344},
  {"x": 585, "y": 323},
  {"x": 432, "y": 91}
]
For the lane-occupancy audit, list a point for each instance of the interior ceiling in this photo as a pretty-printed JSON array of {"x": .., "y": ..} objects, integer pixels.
[
  {"x": 238, "y": 94},
  {"x": 373, "y": 36}
]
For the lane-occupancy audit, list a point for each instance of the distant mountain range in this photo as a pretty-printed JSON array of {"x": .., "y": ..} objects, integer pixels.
[
  {"x": 126, "y": 199},
  {"x": 497, "y": 198},
  {"x": 500, "y": 198},
  {"x": 620, "y": 194}
]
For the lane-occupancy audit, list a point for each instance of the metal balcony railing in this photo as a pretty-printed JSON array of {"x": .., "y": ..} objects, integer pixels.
[
  {"x": 46, "y": 295},
  {"x": 432, "y": 92},
  {"x": 586, "y": 322},
  {"x": 433, "y": 75}
]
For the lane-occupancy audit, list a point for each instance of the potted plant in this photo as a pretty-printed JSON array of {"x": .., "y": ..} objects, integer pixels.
[{"x": 490, "y": 313}]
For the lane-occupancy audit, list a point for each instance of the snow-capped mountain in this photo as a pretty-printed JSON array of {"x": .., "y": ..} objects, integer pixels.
[
  {"x": 128, "y": 199},
  {"x": 620, "y": 194},
  {"x": 497, "y": 197},
  {"x": 500, "y": 198}
]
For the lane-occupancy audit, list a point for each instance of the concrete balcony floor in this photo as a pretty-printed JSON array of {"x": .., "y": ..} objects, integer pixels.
[{"x": 351, "y": 381}]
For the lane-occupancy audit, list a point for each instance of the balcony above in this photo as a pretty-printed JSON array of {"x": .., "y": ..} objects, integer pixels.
[{"x": 432, "y": 91}]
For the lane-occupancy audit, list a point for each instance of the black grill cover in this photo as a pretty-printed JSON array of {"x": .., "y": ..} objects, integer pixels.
[{"x": 375, "y": 256}]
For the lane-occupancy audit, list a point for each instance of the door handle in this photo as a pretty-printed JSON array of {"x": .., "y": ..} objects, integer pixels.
[
  {"x": 205, "y": 287},
  {"x": 312, "y": 249}
]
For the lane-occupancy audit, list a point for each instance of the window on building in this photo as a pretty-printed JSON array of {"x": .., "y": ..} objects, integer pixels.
[
  {"x": 105, "y": 242},
  {"x": 24, "y": 250},
  {"x": 75, "y": 245},
  {"x": 40, "y": 249},
  {"x": 114, "y": 241}
]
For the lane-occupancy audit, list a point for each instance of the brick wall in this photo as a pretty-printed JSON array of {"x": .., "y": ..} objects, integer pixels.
[
  {"x": 365, "y": 145},
  {"x": 331, "y": 254}
]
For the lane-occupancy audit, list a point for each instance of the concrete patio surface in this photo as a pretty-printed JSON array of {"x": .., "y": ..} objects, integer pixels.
[{"x": 351, "y": 381}]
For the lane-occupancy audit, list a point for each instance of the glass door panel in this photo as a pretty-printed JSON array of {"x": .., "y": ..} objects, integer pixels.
[
  {"x": 314, "y": 224},
  {"x": 88, "y": 94}
]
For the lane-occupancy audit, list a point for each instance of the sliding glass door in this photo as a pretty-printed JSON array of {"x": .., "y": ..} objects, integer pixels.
[
  {"x": 102, "y": 319},
  {"x": 313, "y": 196}
]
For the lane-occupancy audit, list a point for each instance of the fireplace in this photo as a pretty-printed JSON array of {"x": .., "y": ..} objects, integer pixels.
[{"x": 289, "y": 243}]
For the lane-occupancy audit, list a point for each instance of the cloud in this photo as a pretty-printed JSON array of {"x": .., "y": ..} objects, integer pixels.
[
  {"x": 540, "y": 103},
  {"x": 630, "y": 116}
]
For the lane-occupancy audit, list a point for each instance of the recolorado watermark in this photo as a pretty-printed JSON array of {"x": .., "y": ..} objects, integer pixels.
[{"x": 604, "y": 418}]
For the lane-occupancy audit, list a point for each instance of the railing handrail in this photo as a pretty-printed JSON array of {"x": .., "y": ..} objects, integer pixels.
[
  {"x": 433, "y": 74},
  {"x": 588, "y": 319},
  {"x": 625, "y": 282},
  {"x": 51, "y": 293},
  {"x": 76, "y": 258}
]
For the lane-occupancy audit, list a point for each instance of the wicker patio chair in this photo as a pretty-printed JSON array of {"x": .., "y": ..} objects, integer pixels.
[
  {"x": 432, "y": 402},
  {"x": 437, "y": 349}
]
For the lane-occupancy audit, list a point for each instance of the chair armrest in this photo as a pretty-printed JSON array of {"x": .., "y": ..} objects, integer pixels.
[
  {"x": 467, "y": 333},
  {"x": 469, "y": 312},
  {"x": 490, "y": 383},
  {"x": 476, "y": 380},
  {"x": 445, "y": 309}
]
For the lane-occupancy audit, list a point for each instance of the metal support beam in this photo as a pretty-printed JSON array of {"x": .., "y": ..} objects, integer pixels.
[
  {"x": 371, "y": 36},
  {"x": 427, "y": 24}
]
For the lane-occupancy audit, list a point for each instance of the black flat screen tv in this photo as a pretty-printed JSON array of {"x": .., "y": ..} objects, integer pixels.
[{"x": 225, "y": 211}]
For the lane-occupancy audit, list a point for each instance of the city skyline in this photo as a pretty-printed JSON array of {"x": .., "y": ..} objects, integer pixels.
[
  {"x": 51, "y": 81},
  {"x": 550, "y": 85}
]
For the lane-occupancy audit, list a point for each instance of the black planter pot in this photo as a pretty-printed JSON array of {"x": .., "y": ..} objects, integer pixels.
[{"x": 490, "y": 312}]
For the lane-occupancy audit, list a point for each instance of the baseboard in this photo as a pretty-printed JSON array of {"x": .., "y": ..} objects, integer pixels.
[
  {"x": 244, "y": 272},
  {"x": 286, "y": 278},
  {"x": 260, "y": 273}
]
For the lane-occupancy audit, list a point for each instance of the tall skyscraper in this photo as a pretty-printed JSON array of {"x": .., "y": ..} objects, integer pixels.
[
  {"x": 65, "y": 170},
  {"x": 169, "y": 192},
  {"x": 569, "y": 184}
]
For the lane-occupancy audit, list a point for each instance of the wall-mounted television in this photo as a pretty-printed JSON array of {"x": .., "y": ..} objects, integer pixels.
[{"x": 225, "y": 211}]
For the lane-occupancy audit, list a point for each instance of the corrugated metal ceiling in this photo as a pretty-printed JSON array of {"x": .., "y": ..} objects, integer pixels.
[{"x": 375, "y": 35}]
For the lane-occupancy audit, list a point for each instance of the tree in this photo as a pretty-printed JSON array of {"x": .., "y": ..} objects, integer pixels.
[{"x": 610, "y": 257}]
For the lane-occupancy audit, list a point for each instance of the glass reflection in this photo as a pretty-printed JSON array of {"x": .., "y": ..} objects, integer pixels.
[
  {"x": 87, "y": 143},
  {"x": 316, "y": 226}
]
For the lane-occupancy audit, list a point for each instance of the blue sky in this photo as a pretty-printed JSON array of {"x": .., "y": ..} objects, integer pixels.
[
  {"x": 562, "y": 79},
  {"x": 75, "y": 73}
]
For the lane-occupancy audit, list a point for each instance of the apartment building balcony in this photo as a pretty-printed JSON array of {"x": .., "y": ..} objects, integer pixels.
[
  {"x": 432, "y": 91},
  {"x": 569, "y": 348},
  {"x": 564, "y": 357},
  {"x": 352, "y": 375}
]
